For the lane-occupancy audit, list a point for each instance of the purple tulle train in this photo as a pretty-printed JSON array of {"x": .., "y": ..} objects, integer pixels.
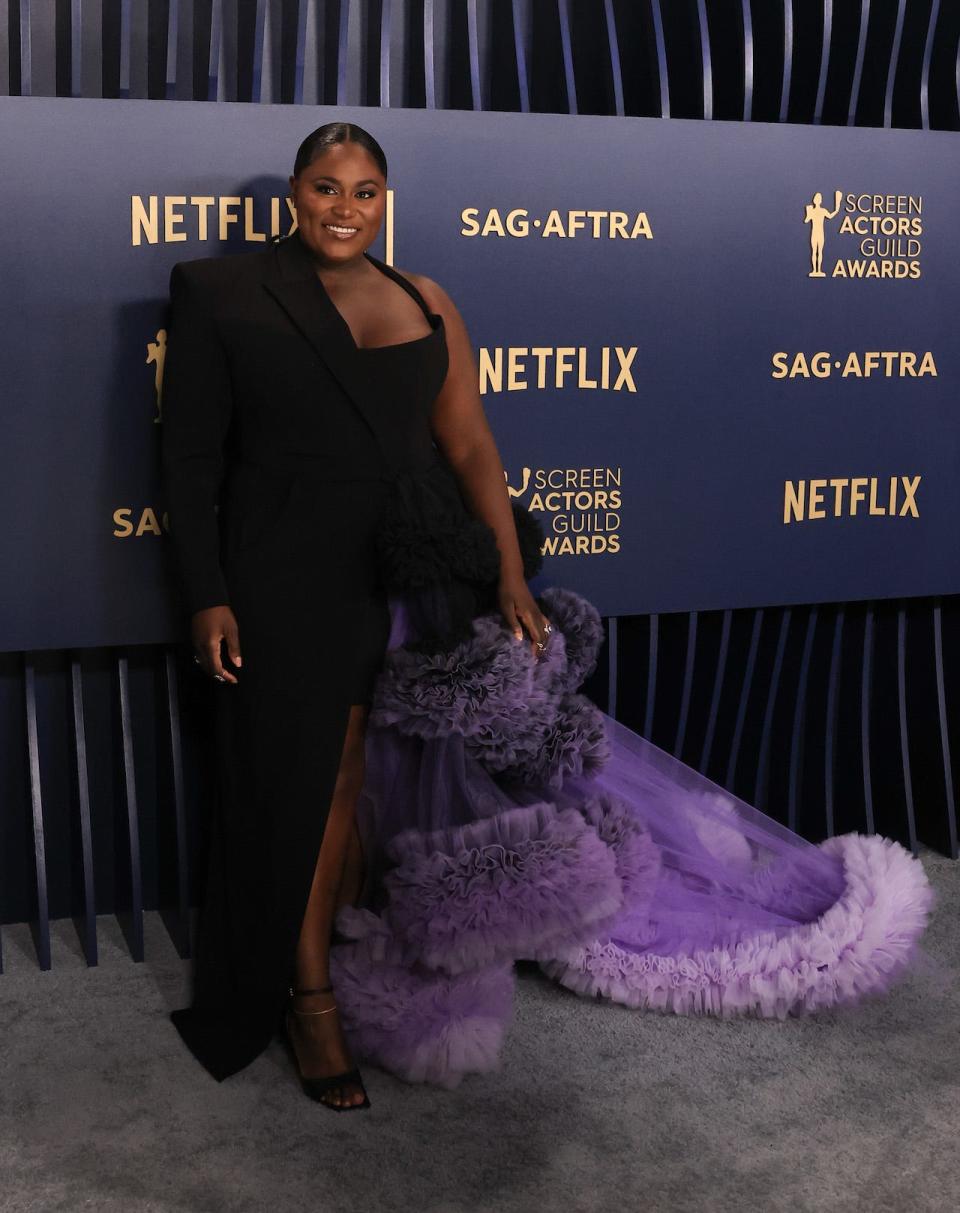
[{"x": 505, "y": 817}]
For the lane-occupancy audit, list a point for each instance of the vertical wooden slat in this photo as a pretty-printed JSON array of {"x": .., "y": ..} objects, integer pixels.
[
  {"x": 613, "y": 50},
  {"x": 45, "y": 31},
  {"x": 956, "y": 77},
  {"x": 227, "y": 88},
  {"x": 925, "y": 72},
  {"x": 132, "y": 926},
  {"x": 88, "y": 926},
  {"x": 179, "y": 927},
  {"x": 685, "y": 694},
  {"x": 799, "y": 720},
  {"x": 315, "y": 58},
  {"x": 520, "y": 53},
  {"x": 612, "y": 646},
  {"x": 5, "y": 52},
  {"x": 386, "y": 25},
  {"x": 904, "y": 728},
  {"x": 893, "y": 64},
  {"x": 717, "y": 690},
  {"x": 766, "y": 732},
  {"x": 951, "y": 805},
  {"x": 216, "y": 44},
  {"x": 651, "y": 677},
  {"x": 787, "y": 78},
  {"x": 566, "y": 49},
  {"x": 26, "y": 50},
  {"x": 39, "y": 926},
  {"x": 139, "y": 53},
  {"x": 744, "y": 696},
  {"x": 858, "y": 63},
  {"x": 274, "y": 69},
  {"x": 173, "y": 37},
  {"x": 259, "y": 44},
  {"x": 473, "y": 49},
  {"x": 866, "y": 704},
  {"x": 300, "y": 51},
  {"x": 660, "y": 47},
  {"x": 746, "y": 21},
  {"x": 825, "y": 45},
  {"x": 126, "y": 34},
  {"x": 187, "y": 51},
  {"x": 706, "y": 60},
  {"x": 429, "y": 81},
  {"x": 830, "y": 723},
  {"x": 76, "y": 48},
  {"x": 343, "y": 34}
]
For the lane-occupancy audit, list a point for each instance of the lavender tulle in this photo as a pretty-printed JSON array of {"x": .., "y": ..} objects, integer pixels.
[{"x": 504, "y": 816}]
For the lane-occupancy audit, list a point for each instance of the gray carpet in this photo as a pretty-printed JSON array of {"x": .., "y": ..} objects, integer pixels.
[{"x": 596, "y": 1107}]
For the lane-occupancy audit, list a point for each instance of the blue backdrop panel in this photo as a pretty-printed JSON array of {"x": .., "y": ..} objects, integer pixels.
[{"x": 702, "y": 415}]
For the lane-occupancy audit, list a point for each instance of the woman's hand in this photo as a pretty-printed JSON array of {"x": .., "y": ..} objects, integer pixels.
[
  {"x": 209, "y": 629},
  {"x": 518, "y": 607}
]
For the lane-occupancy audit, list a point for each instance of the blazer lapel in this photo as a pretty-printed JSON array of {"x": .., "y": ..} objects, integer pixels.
[{"x": 294, "y": 284}]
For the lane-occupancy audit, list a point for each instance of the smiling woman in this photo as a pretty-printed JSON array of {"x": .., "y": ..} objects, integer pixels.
[
  {"x": 339, "y": 203},
  {"x": 305, "y": 374}
]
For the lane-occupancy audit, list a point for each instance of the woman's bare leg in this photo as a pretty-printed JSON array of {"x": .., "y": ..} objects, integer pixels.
[
  {"x": 319, "y": 1040},
  {"x": 351, "y": 882}
]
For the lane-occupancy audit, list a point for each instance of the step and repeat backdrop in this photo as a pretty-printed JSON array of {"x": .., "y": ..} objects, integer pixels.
[{"x": 718, "y": 358}]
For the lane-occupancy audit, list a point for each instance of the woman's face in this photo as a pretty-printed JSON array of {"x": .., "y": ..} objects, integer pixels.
[{"x": 339, "y": 199}]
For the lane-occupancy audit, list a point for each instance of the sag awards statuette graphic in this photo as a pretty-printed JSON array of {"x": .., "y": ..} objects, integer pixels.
[
  {"x": 815, "y": 215},
  {"x": 156, "y": 350},
  {"x": 129, "y": 521},
  {"x": 878, "y": 235}
]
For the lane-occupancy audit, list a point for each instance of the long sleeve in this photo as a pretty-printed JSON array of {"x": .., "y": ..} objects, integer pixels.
[{"x": 197, "y": 408}]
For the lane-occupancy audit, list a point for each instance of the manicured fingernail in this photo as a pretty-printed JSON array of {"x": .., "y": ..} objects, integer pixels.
[{"x": 238, "y": 661}]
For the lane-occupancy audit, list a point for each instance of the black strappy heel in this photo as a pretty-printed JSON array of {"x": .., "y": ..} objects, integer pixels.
[{"x": 316, "y": 1088}]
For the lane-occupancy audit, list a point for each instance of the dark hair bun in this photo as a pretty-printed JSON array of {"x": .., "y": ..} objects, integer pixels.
[{"x": 337, "y": 132}]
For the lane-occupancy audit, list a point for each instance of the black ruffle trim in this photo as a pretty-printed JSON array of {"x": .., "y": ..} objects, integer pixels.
[{"x": 428, "y": 536}]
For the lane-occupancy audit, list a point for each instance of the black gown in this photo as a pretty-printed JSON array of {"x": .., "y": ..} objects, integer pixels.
[{"x": 284, "y": 443}]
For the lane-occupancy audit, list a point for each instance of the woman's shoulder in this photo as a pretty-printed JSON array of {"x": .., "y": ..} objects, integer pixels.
[
  {"x": 223, "y": 272},
  {"x": 433, "y": 293}
]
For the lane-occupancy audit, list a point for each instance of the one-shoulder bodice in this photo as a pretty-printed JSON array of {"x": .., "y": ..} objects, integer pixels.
[{"x": 401, "y": 381}]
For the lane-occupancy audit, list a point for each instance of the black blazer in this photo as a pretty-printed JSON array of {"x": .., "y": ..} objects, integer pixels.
[{"x": 260, "y": 380}]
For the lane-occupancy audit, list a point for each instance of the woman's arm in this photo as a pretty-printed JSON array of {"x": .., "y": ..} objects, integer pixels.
[
  {"x": 197, "y": 408},
  {"x": 462, "y": 432}
]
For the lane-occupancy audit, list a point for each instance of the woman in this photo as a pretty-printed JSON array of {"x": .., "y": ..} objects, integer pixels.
[
  {"x": 403, "y": 751},
  {"x": 304, "y": 376}
]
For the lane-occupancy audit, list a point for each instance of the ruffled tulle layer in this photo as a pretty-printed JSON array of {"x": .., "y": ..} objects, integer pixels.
[{"x": 505, "y": 817}]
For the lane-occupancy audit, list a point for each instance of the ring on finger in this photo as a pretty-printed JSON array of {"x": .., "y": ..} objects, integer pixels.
[{"x": 220, "y": 678}]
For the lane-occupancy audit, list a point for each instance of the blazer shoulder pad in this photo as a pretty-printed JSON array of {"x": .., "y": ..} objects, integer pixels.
[{"x": 223, "y": 272}]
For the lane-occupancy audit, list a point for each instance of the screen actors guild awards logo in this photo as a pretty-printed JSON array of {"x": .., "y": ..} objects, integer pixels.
[
  {"x": 876, "y": 236},
  {"x": 579, "y": 507},
  {"x": 815, "y": 214},
  {"x": 156, "y": 351}
]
